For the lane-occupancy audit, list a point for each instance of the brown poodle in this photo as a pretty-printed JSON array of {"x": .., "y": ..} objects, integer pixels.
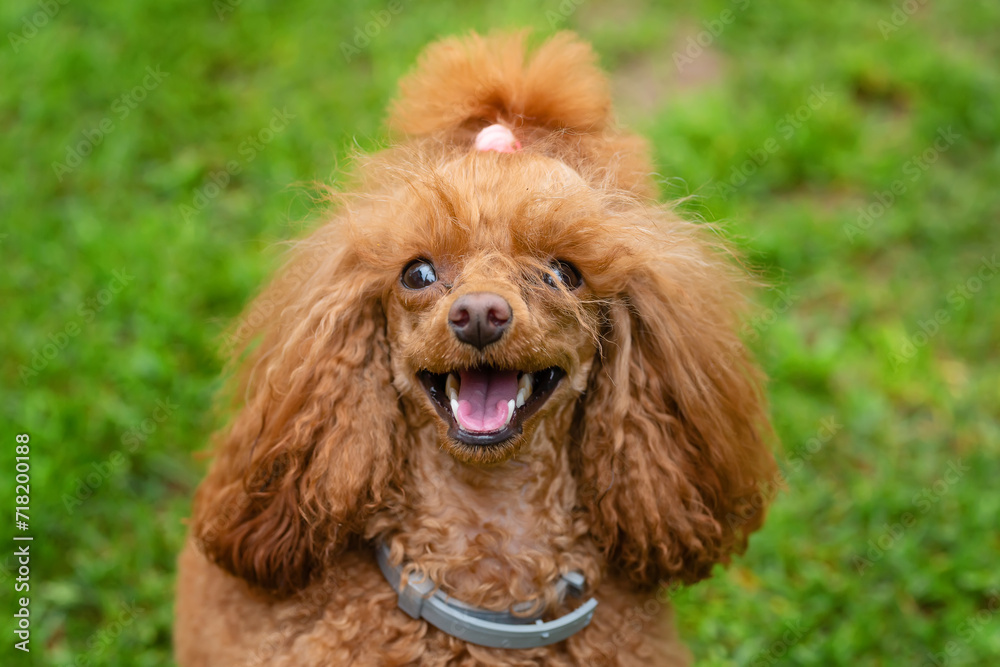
[{"x": 504, "y": 365}]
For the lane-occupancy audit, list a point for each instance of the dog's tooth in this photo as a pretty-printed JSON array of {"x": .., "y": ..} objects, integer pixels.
[
  {"x": 525, "y": 384},
  {"x": 451, "y": 387},
  {"x": 510, "y": 411},
  {"x": 520, "y": 398},
  {"x": 454, "y": 407}
]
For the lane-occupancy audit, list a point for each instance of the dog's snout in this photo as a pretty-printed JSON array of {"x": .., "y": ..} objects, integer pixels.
[{"x": 479, "y": 318}]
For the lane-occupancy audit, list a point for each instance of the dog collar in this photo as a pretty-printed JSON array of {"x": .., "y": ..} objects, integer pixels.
[{"x": 497, "y": 629}]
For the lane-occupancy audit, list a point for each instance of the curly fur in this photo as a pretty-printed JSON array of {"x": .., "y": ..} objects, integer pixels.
[{"x": 643, "y": 469}]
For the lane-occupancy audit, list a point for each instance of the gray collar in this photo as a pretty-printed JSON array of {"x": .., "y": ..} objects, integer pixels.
[{"x": 499, "y": 629}]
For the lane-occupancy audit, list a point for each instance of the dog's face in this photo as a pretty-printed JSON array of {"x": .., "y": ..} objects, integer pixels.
[
  {"x": 480, "y": 296},
  {"x": 492, "y": 323}
]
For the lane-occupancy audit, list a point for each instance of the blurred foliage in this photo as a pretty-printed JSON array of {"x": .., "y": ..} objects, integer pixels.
[{"x": 850, "y": 150}]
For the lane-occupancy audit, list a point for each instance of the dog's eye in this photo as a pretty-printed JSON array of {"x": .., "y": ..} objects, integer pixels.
[
  {"x": 565, "y": 272},
  {"x": 418, "y": 274}
]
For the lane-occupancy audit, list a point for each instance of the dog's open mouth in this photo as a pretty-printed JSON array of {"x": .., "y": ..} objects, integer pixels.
[{"x": 486, "y": 406}]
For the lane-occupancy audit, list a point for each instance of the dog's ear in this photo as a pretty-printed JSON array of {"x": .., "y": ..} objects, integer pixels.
[
  {"x": 312, "y": 448},
  {"x": 672, "y": 454}
]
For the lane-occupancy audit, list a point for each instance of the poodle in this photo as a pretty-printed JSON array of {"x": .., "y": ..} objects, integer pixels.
[{"x": 494, "y": 409}]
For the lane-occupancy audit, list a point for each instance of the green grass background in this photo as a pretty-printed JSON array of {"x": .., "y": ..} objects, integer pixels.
[{"x": 882, "y": 423}]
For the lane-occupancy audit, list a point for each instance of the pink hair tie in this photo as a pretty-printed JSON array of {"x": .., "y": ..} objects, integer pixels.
[{"x": 497, "y": 138}]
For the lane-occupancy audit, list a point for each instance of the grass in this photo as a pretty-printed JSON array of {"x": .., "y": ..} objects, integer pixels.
[{"x": 880, "y": 334}]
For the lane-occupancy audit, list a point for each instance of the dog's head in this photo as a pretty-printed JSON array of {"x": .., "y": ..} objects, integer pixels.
[
  {"x": 493, "y": 294},
  {"x": 492, "y": 325}
]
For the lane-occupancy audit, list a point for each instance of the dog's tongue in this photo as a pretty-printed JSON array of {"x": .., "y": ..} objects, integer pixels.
[{"x": 483, "y": 397}]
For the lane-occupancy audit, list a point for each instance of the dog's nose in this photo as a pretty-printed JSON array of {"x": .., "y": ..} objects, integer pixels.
[{"x": 479, "y": 318}]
